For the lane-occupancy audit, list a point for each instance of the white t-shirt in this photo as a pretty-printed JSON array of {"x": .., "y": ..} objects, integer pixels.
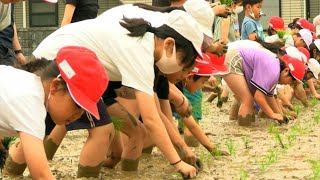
[
  {"x": 21, "y": 103},
  {"x": 127, "y": 59}
]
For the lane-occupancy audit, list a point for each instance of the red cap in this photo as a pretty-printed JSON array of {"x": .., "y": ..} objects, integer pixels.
[
  {"x": 203, "y": 67},
  {"x": 217, "y": 62},
  {"x": 303, "y": 23},
  {"x": 295, "y": 66},
  {"x": 305, "y": 52},
  {"x": 311, "y": 27},
  {"x": 84, "y": 75},
  {"x": 276, "y": 23}
]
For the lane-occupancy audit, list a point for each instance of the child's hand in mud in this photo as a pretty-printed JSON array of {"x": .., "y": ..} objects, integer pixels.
[
  {"x": 185, "y": 109},
  {"x": 186, "y": 170},
  {"x": 217, "y": 153},
  {"x": 187, "y": 155},
  {"x": 292, "y": 114}
]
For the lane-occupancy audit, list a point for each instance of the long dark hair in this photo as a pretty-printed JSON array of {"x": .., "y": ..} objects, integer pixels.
[
  {"x": 313, "y": 47},
  {"x": 165, "y": 9},
  {"x": 273, "y": 47},
  {"x": 138, "y": 27}
]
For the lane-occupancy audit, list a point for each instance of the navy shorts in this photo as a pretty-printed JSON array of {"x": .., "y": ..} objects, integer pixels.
[{"x": 86, "y": 121}]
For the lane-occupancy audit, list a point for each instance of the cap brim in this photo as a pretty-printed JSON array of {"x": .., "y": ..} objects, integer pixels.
[
  {"x": 220, "y": 68},
  {"x": 83, "y": 101},
  {"x": 316, "y": 75},
  {"x": 206, "y": 31}
]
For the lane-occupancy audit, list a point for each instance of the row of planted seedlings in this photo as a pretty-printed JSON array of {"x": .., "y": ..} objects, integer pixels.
[{"x": 285, "y": 141}]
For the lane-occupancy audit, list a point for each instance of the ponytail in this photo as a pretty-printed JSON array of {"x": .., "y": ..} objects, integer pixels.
[
  {"x": 273, "y": 47},
  {"x": 138, "y": 27}
]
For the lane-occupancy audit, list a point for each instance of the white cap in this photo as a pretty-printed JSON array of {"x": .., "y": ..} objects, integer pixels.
[
  {"x": 306, "y": 36},
  {"x": 295, "y": 53},
  {"x": 186, "y": 26},
  {"x": 316, "y": 20},
  {"x": 314, "y": 67},
  {"x": 51, "y": 1},
  {"x": 201, "y": 11},
  {"x": 317, "y": 43}
]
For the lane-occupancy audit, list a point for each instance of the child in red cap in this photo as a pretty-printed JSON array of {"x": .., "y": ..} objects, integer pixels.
[
  {"x": 64, "y": 88},
  {"x": 276, "y": 24},
  {"x": 192, "y": 90}
]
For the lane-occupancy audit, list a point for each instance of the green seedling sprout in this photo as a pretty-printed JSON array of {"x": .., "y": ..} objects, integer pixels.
[
  {"x": 246, "y": 141},
  {"x": 231, "y": 147},
  {"x": 275, "y": 131},
  {"x": 117, "y": 123},
  {"x": 292, "y": 137},
  {"x": 243, "y": 174},
  {"x": 315, "y": 165},
  {"x": 279, "y": 139},
  {"x": 177, "y": 175},
  {"x": 226, "y": 2},
  {"x": 316, "y": 118},
  {"x": 313, "y": 102},
  {"x": 296, "y": 109}
]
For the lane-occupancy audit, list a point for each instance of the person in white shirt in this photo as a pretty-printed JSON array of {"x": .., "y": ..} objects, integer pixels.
[
  {"x": 129, "y": 50},
  {"x": 63, "y": 87}
]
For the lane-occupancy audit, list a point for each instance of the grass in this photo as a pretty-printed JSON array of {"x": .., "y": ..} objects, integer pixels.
[
  {"x": 316, "y": 118},
  {"x": 218, "y": 152},
  {"x": 315, "y": 166},
  {"x": 231, "y": 147}
]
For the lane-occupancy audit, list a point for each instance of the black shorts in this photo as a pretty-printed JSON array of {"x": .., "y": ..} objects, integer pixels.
[
  {"x": 7, "y": 56},
  {"x": 109, "y": 96},
  {"x": 86, "y": 121}
]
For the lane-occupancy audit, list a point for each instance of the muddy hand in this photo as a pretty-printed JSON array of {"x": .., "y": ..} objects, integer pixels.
[
  {"x": 279, "y": 118},
  {"x": 220, "y": 48},
  {"x": 216, "y": 152},
  {"x": 186, "y": 170},
  {"x": 292, "y": 114}
]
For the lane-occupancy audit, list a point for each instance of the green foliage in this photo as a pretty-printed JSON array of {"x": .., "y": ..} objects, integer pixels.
[
  {"x": 316, "y": 118},
  {"x": 282, "y": 34},
  {"x": 226, "y": 2},
  {"x": 315, "y": 165},
  {"x": 275, "y": 131}
]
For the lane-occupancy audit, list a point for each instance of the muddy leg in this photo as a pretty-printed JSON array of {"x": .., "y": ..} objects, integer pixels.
[
  {"x": 234, "y": 110},
  {"x": 52, "y": 142},
  {"x": 94, "y": 150}
]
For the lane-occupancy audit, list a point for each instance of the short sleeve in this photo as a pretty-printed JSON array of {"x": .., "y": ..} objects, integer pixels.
[
  {"x": 265, "y": 75},
  {"x": 74, "y": 2},
  {"x": 250, "y": 27},
  {"x": 27, "y": 114}
]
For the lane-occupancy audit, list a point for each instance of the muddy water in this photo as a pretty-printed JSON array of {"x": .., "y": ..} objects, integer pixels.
[{"x": 256, "y": 152}]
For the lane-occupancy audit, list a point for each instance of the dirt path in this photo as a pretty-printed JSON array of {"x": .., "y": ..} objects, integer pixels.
[{"x": 257, "y": 154}]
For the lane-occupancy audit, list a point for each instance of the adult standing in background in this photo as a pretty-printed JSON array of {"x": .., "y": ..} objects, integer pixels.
[
  {"x": 10, "y": 49},
  {"x": 79, "y": 10}
]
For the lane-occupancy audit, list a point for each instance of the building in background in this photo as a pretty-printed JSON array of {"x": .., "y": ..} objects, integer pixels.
[{"x": 36, "y": 19}]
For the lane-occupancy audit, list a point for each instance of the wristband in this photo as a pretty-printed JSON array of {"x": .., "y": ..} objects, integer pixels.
[
  {"x": 172, "y": 164},
  {"x": 17, "y": 51}
]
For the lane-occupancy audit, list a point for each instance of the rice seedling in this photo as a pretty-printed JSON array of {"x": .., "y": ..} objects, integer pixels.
[
  {"x": 315, "y": 166},
  {"x": 6, "y": 143},
  {"x": 291, "y": 137},
  {"x": 245, "y": 140},
  {"x": 313, "y": 102},
  {"x": 316, "y": 118},
  {"x": 217, "y": 152},
  {"x": 243, "y": 174},
  {"x": 275, "y": 131},
  {"x": 231, "y": 147},
  {"x": 117, "y": 123},
  {"x": 296, "y": 109}
]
